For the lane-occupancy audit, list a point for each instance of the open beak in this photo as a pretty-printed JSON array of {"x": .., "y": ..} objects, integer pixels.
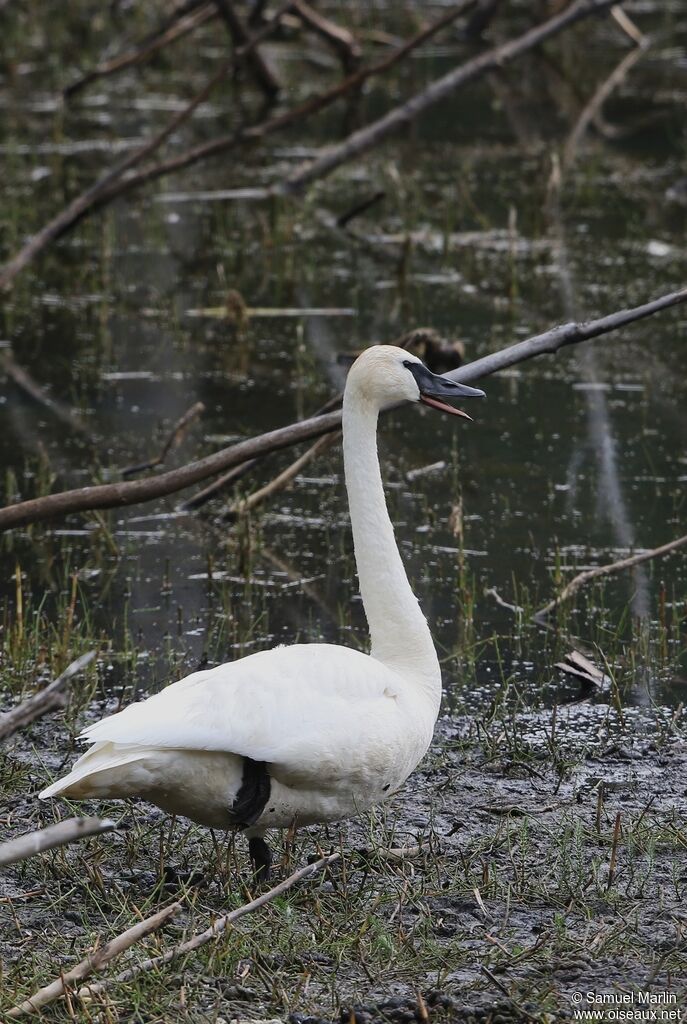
[{"x": 432, "y": 386}]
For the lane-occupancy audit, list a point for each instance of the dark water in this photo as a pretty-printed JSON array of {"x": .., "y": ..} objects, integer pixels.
[{"x": 573, "y": 461}]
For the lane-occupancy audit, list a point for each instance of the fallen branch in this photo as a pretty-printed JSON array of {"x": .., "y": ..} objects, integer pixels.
[
  {"x": 245, "y": 505},
  {"x": 33, "y": 389},
  {"x": 216, "y": 928},
  {"x": 114, "y": 183},
  {"x": 262, "y": 73},
  {"x": 340, "y": 39},
  {"x": 173, "y": 440},
  {"x": 47, "y": 699},
  {"x": 607, "y": 570},
  {"x": 50, "y": 838},
  {"x": 102, "y": 188},
  {"x": 593, "y": 108},
  {"x": 117, "y": 495},
  {"x": 371, "y": 135},
  {"x": 175, "y": 28},
  {"x": 94, "y": 962},
  {"x": 219, "y": 926}
]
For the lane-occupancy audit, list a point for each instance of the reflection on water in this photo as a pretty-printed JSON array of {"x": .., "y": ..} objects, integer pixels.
[{"x": 571, "y": 462}]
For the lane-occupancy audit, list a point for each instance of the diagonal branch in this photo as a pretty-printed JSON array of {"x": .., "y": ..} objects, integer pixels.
[
  {"x": 608, "y": 570},
  {"x": 119, "y": 494},
  {"x": 371, "y": 135},
  {"x": 117, "y": 182},
  {"x": 50, "y": 697},
  {"x": 95, "y": 961}
]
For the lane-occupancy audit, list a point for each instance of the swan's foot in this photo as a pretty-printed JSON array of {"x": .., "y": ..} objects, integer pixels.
[{"x": 260, "y": 857}]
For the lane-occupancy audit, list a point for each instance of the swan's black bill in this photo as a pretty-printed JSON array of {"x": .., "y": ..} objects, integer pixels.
[{"x": 432, "y": 384}]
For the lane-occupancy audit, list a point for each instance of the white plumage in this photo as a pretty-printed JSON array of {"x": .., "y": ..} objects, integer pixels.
[{"x": 308, "y": 733}]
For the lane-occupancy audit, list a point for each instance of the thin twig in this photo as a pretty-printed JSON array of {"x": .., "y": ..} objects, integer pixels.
[
  {"x": 52, "y": 696},
  {"x": 606, "y": 570},
  {"x": 614, "y": 850},
  {"x": 174, "y": 29},
  {"x": 102, "y": 188},
  {"x": 60, "y": 834},
  {"x": 262, "y": 73},
  {"x": 133, "y": 492},
  {"x": 94, "y": 962},
  {"x": 627, "y": 25},
  {"x": 245, "y": 505},
  {"x": 217, "y": 928},
  {"x": 593, "y": 107},
  {"x": 174, "y": 439}
]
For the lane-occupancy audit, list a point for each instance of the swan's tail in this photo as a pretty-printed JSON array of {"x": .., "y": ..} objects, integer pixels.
[{"x": 106, "y": 770}]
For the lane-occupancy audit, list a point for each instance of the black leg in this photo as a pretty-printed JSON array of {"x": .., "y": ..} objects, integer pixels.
[{"x": 260, "y": 857}]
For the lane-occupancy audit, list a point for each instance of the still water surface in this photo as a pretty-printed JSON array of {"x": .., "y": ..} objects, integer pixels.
[{"x": 573, "y": 461}]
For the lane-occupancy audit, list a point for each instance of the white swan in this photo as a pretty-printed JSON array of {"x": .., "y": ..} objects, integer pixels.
[{"x": 308, "y": 733}]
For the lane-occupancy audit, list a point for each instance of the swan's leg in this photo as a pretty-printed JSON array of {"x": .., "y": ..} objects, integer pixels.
[{"x": 260, "y": 857}]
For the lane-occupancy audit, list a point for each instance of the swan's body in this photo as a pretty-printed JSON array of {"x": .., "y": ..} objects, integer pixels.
[{"x": 309, "y": 733}]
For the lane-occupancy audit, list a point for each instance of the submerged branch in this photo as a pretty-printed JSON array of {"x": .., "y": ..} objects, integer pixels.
[
  {"x": 174, "y": 439},
  {"x": 179, "y": 25},
  {"x": 23, "y": 380},
  {"x": 116, "y": 495}
]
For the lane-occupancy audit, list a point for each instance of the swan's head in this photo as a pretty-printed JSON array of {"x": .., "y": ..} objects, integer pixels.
[{"x": 385, "y": 374}]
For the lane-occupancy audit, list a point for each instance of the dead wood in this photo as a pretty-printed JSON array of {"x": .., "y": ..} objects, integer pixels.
[
  {"x": 119, "y": 494},
  {"x": 47, "y": 699},
  {"x": 60, "y": 834},
  {"x": 94, "y": 962},
  {"x": 362, "y": 207},
  {"x": 102, "y": 189},
  {"x": 592, "y": 109},
  {"x": 340, "y": 39},
  {"x": 607, "y": 570},
  {"x": 117, "y": 181},
  {"x": 180, "y": 24},
  {"x": 253, "y": 59},
  {"x": 246, "y": 505},
  {"x": 371, "y": 135},
  {"x": 482, "y": 18},
  {"x": 174, "y": 439},
  {"x": 33, "y": 389}
]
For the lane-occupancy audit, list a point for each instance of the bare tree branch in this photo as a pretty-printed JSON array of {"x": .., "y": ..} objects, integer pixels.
[
  {"x": 217, "y": 927},
  {"x": 262, "y": 73},
  {"x": 175, "y": 28},
  {"x": 52, "y": 696},
  {"x": 340, "y": 39},
  {"x": 60, "y": 834},
  {"x": 33, "y": 389},
  {"x": 117, "y": 182}
]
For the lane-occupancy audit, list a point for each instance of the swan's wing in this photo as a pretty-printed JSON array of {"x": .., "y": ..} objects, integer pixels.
[{"x": 311, "y": 709}]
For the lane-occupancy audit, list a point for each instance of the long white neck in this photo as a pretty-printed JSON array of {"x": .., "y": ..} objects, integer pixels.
[{"x": 399, "y": 632}]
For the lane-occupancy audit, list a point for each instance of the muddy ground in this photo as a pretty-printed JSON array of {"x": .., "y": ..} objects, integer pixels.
[{"x": 512, "y": 908}]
